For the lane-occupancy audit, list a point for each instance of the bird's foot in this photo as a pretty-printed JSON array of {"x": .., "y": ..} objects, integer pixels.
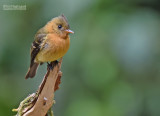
[
  {"x": 52, "y": 64},
  {"x": 49, "y": 66}
]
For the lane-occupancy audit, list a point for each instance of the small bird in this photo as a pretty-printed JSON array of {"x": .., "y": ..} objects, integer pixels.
[{"x": 51, "y": 43}]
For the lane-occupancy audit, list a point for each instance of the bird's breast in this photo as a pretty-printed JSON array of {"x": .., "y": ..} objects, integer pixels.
[{"x": 53, "y": 48}]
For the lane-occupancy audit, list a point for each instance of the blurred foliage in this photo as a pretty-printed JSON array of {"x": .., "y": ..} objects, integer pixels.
[{"x": 111, "y": 69}]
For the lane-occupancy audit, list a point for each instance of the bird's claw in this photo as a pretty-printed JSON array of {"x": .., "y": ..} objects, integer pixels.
[{"x": 52, "y": 64}]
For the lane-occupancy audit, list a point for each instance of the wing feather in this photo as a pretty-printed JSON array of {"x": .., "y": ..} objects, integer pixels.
[{"x": 36, "y": 46}]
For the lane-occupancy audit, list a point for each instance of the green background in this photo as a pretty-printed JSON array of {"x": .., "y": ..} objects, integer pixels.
[{"x": 111, "y": 69}]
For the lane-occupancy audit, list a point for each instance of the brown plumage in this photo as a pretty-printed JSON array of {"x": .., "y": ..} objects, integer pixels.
[{"x": 51, "y": 43}]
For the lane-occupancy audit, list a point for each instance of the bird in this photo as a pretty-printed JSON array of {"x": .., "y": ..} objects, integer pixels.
[{"x": 51, "y": 42}]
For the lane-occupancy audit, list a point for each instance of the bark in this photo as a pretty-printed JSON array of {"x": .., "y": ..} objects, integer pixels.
[{"x": 39, "y": 103}]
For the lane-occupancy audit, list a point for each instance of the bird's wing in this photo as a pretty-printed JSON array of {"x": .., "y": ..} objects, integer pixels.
[{"x": 36, "y": 46}]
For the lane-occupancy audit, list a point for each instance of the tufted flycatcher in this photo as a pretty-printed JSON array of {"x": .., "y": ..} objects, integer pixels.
[{"x": 51, "y": 43}]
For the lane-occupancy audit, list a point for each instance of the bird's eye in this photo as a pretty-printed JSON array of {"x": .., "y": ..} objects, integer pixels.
[{"x": 59, "y": 26}]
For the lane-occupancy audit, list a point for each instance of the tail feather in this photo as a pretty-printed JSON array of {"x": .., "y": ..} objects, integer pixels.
[{"x": 32, "y": 71}]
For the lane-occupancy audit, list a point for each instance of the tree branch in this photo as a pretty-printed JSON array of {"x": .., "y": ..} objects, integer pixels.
[{"x": 39, "y": 103}]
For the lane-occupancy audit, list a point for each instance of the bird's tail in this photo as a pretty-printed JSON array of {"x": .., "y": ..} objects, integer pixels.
[{"x": 32, "y": 71}]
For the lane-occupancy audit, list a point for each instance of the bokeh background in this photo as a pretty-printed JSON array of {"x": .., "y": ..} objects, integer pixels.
[{"x": 111, "y": 69}]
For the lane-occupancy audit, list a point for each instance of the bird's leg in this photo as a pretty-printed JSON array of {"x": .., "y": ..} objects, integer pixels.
[
  {"x": 49, "y": 65},
  {"x": 55, "y": 62},
  {"x": 52, "y": 64}
]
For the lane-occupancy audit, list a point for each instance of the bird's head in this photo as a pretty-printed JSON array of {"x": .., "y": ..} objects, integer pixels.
[{"x": 59, "y": 25}]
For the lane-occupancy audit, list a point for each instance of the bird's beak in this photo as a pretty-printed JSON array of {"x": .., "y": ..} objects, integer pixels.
[{"x": 69, "y": 31}]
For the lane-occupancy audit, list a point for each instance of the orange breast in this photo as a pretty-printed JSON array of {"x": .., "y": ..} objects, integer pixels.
[{"x": 53, "y": 48}]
